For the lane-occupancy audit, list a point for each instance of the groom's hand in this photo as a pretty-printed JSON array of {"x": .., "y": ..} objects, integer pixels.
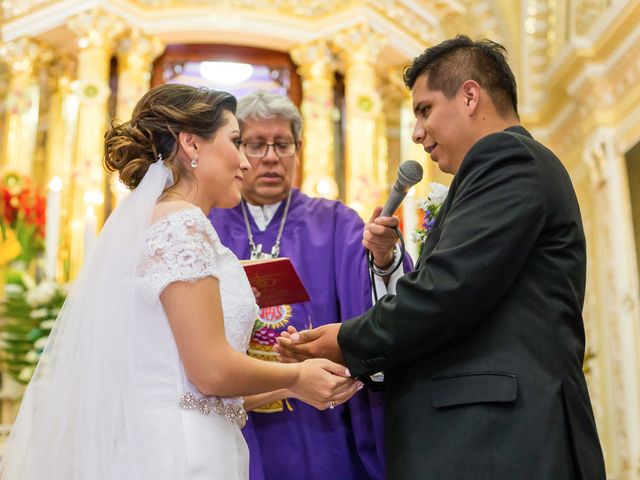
[
  {"x": 321, "y": 342},
  {"x": 379, "y": 237}
]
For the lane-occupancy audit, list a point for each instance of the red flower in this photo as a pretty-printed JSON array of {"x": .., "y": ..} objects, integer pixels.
[{"x": 22, "y": 209}]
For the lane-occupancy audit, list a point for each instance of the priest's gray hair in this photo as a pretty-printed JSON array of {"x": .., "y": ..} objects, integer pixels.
[{"x": 263, "y": 105}]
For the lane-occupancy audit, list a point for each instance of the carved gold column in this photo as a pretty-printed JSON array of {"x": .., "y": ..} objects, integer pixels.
[
  {"x": 5, "y": 77},
  {"x": 136, "y": 53},
  {"x": 61, "y": 149},
  {"x": 21, "y": 105},
  {"x": 366, "y": 158},
  {"x": 316, "y": 68},
  {"x": 96, "y": 32},
  {"x": 616, "y": 287}
]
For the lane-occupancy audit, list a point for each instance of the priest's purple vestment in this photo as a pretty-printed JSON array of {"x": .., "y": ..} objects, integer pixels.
[{"x": 290, "y": 439}]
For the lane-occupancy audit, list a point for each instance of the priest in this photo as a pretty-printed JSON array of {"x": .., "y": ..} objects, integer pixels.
[{"x": 289, "y": 439}]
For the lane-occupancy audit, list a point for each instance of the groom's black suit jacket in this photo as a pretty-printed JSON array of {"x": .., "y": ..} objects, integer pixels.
[{"x": 482, "y": 347}]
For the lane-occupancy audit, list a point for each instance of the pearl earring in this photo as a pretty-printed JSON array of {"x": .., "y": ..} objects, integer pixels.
[{"x": 194, "y": 162}]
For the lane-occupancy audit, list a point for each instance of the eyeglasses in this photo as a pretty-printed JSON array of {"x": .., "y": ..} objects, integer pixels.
[{"x": 260, "y": 149}]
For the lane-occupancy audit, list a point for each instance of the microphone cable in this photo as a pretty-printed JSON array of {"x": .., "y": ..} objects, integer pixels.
[{"x": 375, "y": 270}]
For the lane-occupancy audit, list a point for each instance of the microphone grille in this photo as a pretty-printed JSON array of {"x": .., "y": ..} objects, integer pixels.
[{"x": 409, "y": 172}]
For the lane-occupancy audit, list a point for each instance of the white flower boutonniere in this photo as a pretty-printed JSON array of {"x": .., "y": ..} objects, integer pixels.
[{"x": 431, "y": 207}]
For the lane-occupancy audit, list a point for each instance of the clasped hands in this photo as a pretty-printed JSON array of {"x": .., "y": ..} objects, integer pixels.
[
  {"x": 322, "y": 342},
  {"x": 318, "y": 347}
]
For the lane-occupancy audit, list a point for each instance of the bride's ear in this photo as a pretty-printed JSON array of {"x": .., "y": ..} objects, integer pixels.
[{"x": 188, "y": 144}]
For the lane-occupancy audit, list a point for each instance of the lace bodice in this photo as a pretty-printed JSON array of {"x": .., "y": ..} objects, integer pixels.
[{"x": 183, "y": 246}]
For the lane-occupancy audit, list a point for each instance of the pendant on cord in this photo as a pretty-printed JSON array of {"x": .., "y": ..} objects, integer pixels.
[{"x": 258, "y": 254}]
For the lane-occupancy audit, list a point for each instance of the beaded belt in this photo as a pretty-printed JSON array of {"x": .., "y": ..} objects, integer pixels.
[{"x": 206, "y": 405}]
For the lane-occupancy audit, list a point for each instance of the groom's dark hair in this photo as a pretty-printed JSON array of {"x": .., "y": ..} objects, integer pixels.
[{"x": 450, "y": 63}]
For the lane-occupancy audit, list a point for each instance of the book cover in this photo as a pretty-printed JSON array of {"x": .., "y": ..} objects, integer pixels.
[{"x": 277, "y": 281}]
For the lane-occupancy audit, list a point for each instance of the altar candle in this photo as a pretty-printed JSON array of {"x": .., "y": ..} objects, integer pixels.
[
  {"x": 90, "y": 225},
  {"x": 52, "y": 227},
  {"x": 410, "y": 222}
]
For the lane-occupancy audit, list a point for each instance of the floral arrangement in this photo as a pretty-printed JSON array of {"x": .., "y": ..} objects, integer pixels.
[
  {"x": 29, "y": 312},
  {"x": 22, "y": 219},
  {"x": 430, "y": 207},
  {"x": 28, "y": 308}
]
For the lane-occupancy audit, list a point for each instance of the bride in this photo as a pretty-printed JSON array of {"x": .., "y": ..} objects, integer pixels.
[{"x": 144, "y": 374}]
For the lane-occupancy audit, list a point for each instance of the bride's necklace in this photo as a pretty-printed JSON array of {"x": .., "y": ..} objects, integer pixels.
[{"x": 256, "y": 251}]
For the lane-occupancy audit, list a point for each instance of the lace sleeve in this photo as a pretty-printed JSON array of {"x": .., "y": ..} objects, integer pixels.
[{"x": 180, "y": 247}]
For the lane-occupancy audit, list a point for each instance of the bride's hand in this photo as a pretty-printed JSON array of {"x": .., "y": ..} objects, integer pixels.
[
  {"x": 324, "y": 384},
  {"x": 256, "y": 293}
]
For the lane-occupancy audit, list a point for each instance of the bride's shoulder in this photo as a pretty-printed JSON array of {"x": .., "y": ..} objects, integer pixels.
[
  {"x": 165, "y": 210},
  {"x": 180, "y": 219}
]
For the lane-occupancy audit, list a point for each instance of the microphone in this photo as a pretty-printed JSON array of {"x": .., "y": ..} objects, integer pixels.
[{"x": 409, "y": 173}]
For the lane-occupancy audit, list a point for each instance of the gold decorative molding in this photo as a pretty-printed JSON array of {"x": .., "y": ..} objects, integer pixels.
[
  {"x": 12, "y": 9},
  {"x": 291, "y": 7},
  {"x": 359, "y": 44},
  {"x": 137, "y": 50},
  {"x": 586, "y": 13},
  {"x": 581, "y": 57},
  {"x": 25, "y": 55},
  {"x": 279, "y": 24},
  {"x": 424, "y": 29},
  {"x": 314, "y": 59},
  {"x": 96, "y": 28}
]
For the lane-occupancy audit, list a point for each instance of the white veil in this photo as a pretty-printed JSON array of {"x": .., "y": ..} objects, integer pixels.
[{"x": 70, "y": 425}]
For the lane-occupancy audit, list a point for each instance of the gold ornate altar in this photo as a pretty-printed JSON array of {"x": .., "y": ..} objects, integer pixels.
[{"x": 577, "y": 63}]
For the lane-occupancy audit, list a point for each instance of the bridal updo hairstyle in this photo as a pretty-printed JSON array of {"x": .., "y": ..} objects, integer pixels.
[{"x": 160, "y": 115}]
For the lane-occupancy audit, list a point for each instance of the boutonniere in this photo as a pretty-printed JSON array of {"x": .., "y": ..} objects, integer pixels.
[{"x": 431, "y": 207}]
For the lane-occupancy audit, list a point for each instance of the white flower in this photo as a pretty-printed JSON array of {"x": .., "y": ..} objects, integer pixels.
[
  {"x": 438, "y": 193},
  {"x": 431, "y": 207},
  {"x": 28, "y": 281},
  {"x": 63, "y": 289},
  {"x": 424, "y": 204},
  {"x": 39, "y": 313},
  {"x": 40, "y": 343},
  {"x": 47, "y": 324},
  {"x": 13, "y": 288},
  {"x": 41, "y": 294},
  {"x": 25, "y": 374},
  {"x": 32, "y": 356}
]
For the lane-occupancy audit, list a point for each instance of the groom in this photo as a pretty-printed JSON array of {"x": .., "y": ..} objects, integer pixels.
[{"x": 482, "y": 346}]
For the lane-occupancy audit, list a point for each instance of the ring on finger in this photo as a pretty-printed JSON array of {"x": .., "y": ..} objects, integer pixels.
[{"x": 332, "y": 404}]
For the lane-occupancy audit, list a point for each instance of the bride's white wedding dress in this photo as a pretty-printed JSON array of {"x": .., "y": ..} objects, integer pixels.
[
  {"x": 110, "y": 399},
  {"x": 183, "y": 246}
]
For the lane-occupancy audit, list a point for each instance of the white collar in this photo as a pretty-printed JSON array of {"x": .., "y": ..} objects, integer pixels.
[{"x": 263, "y": 214}]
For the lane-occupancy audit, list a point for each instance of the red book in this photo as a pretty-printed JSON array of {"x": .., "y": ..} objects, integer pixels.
[{"x": 277, "y": 281}]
